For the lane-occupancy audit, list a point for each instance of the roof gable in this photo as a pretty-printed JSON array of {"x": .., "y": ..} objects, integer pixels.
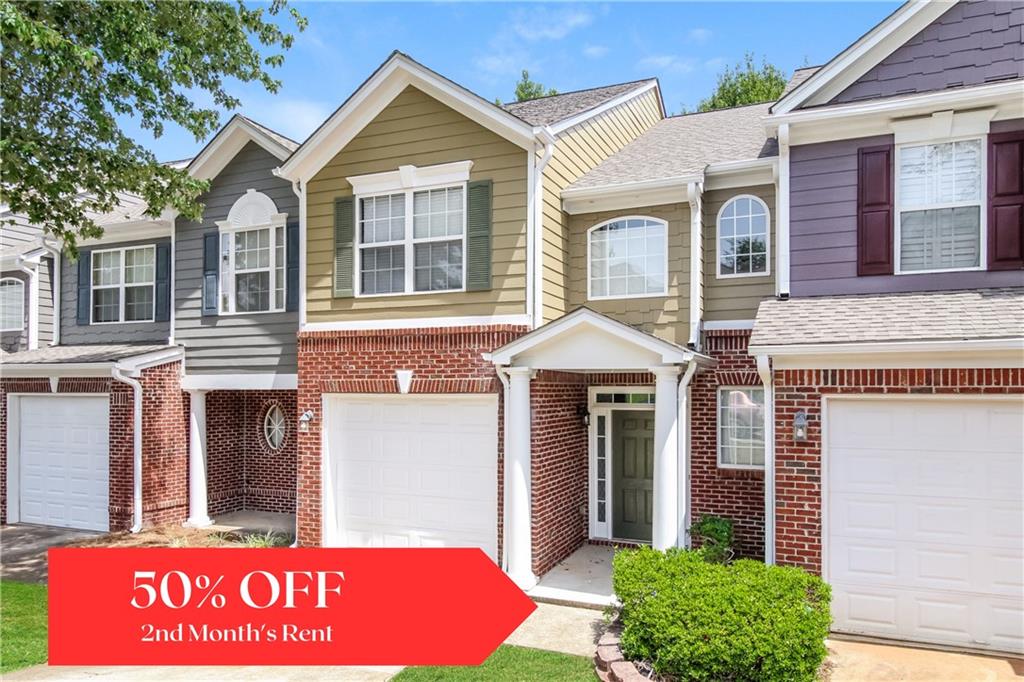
[
  {"x": 564, "y": 107},
  {"x": 231, "y": 139}
]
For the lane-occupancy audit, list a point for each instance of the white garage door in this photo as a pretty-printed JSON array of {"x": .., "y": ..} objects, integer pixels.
[
  {"x": 63, "y": 461},
  {"x": 411, "y": 471},
  {"x": 924, "y": 519}
]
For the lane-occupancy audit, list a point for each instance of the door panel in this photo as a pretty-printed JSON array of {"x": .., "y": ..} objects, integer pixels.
[{"x": 633, "y": 474}]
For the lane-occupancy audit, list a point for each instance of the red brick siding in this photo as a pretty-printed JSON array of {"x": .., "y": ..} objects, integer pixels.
[
  {"x": 444, "y": 360},
  {"x": 559, "y": 467},
  {"x": 798, "y": 465}
]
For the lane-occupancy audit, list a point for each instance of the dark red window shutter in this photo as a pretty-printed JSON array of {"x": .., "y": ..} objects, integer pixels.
[
  {"x": 874, "y": 211},
  {"x": 1006, "y": 201}
]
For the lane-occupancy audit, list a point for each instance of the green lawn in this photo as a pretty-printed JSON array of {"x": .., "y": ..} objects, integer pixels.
[
  {"x": 22, "y": 625},
  {"x": 508, "y": 664}
]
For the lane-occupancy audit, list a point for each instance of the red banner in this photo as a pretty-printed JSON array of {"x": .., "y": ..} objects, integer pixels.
[{"x": 279, "y": 606}]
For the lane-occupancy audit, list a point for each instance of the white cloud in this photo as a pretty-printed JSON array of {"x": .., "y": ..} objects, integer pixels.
[
  {"x": 502, "y": 63},
  {"x": 699, "y": 35},
  {"x": 294, "y": 117},
  {"x": 595, "y": 51},
  {"x": 542, "y": 23},
  {"x": 715, "y": 63},
  {"x": 668, "y": 63}
]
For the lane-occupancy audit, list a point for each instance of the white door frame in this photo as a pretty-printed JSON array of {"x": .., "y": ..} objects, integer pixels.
[
  {"x": 598, "y": 530},
  {"x": 14, "y": 444}
]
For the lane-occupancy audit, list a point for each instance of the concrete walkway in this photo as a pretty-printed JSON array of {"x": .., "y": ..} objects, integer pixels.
[
  {"x": 23, "y": 549},
  {"x": 870, "y": 662}
]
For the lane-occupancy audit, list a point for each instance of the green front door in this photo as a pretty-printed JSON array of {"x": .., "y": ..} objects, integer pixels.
[{"x": 632, "y": 474}]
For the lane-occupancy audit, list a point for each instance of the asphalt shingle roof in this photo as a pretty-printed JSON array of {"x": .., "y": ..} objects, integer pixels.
[
  {"x": 930, "y": 316},
  {"x": 286, "y": 142},
  {"x": 799, "y": 76},
  {"x": 79, "y": 354},
  {"x": 684, "y": 145},
  {"x": 554, "y": 108}
]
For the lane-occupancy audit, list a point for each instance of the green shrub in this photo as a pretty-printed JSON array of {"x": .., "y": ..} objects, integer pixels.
[
  {"x": 695, "y": 620},
  {"x": 715, "y": 536}
]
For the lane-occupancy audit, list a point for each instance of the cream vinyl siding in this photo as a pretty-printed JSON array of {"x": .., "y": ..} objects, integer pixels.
[
  {"x": 578, "y": 151},
  {"x": 667, "y": 317},
  {"x": 418, "y": 130},
  {"x": 735, "y": 298}
]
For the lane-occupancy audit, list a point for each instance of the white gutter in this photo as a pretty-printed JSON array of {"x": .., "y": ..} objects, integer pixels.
[
  {"x": 55, "y": 286},
  {"x": 119, "y": 374},
  {"x": 32, "y": 270},
  {"x": 782, "y": 216},
  {"x": 765, "y": 372},
  {"x": 299, "y": 188},
  {"x": 677, "y": 182},
  {"x": 506, "y": 393},
  {"x": 694, "y": 191},
  {"x": 683, "y": 492},
  {"x": 545, "y": 137}
]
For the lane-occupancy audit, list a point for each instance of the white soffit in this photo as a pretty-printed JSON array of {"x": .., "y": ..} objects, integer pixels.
[{"x": 230, "y": 140}]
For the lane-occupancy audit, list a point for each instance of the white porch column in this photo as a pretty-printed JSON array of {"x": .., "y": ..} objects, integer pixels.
[
  {"x": 666, "y": 457},
  {"x": 197, "y": 510},
  {"x": 518, "y": 541}
]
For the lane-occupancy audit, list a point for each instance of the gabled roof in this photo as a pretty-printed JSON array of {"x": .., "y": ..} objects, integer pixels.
[
  {"x": 554, "y": 109},
  {"x": 684, "y": 146},
  {"x": 229, "y": 140},
  {"x": 798, "y": 77},
  {"x": 871, "y": 48}
]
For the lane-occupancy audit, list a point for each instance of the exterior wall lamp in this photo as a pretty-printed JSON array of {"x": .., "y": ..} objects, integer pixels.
[
  {"x": 800, "y": 426},
  {"x": 584, "y": 414},
  {"x": 305, "y": 419}
]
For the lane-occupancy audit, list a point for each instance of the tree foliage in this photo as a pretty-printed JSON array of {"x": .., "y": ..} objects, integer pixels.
[
  {"x": 745, "y": 83},
  {"x": 71, "y": 68},
  {"x": 527, "y": 89}
]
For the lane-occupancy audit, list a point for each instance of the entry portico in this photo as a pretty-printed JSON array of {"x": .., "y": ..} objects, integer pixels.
[{"x": 599, "y": 350}]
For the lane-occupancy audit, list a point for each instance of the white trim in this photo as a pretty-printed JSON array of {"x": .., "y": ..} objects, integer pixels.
[
  {"x": 253, "y": 211},
  {"x": 565, "y": 124},
  {"x": 942, "y": 125},
  {"x": 767, "y": 239},
  {"x": 694, "y": 192},
  {"x": 239, "y": 382},
  {"x": 140, "y": 230},
  {"x": 228, "y": 141},
  {"x": 782, "y": 197},
  {"x": 718, "y": 426},
  {"x": 417, "y": 323},
  {"x": 747, "y": 173},
  {"x": 535, "y": 241},
  {"x": 627, "y": 195},
  {"x": 21, "y": 316},
  {"x": 728, "y": 324},
  {"x": 764, "y": 370},
  {"x": 133, "y": 366},
  {"x": 121, "y": 286},
  {"x": 614, "y": 297},
  {"x": 410, "y": 177},
  {"x": 376, "y": 93}
]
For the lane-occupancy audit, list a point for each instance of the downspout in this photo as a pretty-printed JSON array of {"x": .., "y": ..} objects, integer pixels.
[
  {"x": 506, "y": 392},
  {"x": 33, "y": 301},
  {"x": 300, "y": 191},
  {"x": 55, "y": 286},
  {"x": 694, "y": 192},
  {"x": 120, "y": 375},
  {"x": 765, "y": 372},
  {"x": 545, "y": 137},
  {"x": 683, "y": 494},
  {"x": 782, "y": 215}
]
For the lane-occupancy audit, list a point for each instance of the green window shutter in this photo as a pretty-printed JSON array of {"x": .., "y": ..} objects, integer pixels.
[
  {"x": 478, "y": 235},
  {"x": 344, "y": 246}
]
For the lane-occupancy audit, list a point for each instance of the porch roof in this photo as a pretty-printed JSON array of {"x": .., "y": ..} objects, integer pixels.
[{"x": 585, "y": 340}]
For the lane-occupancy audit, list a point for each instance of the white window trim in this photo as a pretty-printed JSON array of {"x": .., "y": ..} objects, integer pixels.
[
  {"x": 982, "y": 203},
  {"x": 266, "y": 425},
  {"x": 122, "y": 286},
  {"x": 408, "y": 242},
  {"x": 610, "y": 297},
  {"x": 226, "y": 304},
  {"x": 718, "y": 427},
  {"x": 21, "y": 305},
  {"x": 410, "y": 177},
  {"x": 767, "y": 240}
]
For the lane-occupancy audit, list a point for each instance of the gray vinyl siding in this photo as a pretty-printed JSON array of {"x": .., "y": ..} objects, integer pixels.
[
  {"x": 823, "y": 229},
  {"x": 231, "y": 344},
  {"x": 13, "y": 341},
  {"x": 119, "y": 332},
  {"x": 973, "y": 43},
  {"x": 45, "y": 301},
  {"x": 16, "y": 232}
]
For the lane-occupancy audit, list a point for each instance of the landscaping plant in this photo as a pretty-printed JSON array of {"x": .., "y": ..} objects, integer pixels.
[
  {"x": 716, "y": 538},
  {"x": 691, "y": 619}
]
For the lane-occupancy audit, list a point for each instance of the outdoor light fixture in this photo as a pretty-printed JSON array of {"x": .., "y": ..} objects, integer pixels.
[
  {"x": 304, "y": 420},
  {"x": 800, "y": 426},
  {"x": 583, "y": 413}
]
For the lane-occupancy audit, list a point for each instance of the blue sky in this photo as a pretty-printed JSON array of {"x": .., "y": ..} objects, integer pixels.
[{"x": 484, "y": 46}]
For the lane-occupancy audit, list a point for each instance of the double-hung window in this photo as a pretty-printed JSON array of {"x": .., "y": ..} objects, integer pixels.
[
  {"x": 252, "y": 269},
  {"x": 12, "y": 305},
  {"x": 939, "y": 216},
  {"x": 412, "y": 241},
  {"x": 123, "y": 284},
  {"x": 741, "y": 419}
]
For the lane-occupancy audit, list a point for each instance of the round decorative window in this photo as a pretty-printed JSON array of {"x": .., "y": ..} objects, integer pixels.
[{"x": 274, "y": 427}]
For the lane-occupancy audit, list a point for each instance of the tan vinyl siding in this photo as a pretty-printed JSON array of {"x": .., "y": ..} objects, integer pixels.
[
  {"x": 667, "y": 317},
  {"x": 577, "y": 151},
  {"x": 419, "y": 130},
  {"x": 734, "y": 298}
]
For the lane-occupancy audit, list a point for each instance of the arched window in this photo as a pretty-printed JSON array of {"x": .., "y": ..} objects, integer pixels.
[
  {"x": 275, "y": 426},
  {"x": 252, "y": 256},
  {"x": 627, "y": 257},
  {"x": 743, "y": 237},
  {"x": 12, "y": 305}
]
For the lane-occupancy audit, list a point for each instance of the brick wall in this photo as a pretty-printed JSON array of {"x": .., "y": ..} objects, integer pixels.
[
  {"x": 559, "y": 467},
  {"x": 444, "y": 360},
  {"x": 798, "y": 465},
  {"x": 733, "y": 493}
]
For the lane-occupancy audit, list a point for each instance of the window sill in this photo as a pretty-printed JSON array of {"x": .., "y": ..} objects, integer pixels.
[
  {"x": 105, "y": 324},
  {"x": 249, "y": 312},
  {"x": 627, "y": 297},
  {"x": 399, "y": 294},
  {"x": 744, "y": 275},
  {"x": 12, "y": 330},
  {"x": 741, "y": 467},
  {"x": 940, "y": 271}
]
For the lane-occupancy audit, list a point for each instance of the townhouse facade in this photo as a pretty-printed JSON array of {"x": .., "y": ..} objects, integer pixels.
[{"x": 441, "y": 322}]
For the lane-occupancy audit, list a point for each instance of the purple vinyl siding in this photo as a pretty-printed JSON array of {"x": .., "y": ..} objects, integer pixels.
[
  {"x": 975, "y": 42},
  {"x": 823, "y": 227}
]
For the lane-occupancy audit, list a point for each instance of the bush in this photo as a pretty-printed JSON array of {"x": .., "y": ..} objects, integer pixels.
[
  {"x": 696, "y": 620},
  {"x": 715, "y": 536}
]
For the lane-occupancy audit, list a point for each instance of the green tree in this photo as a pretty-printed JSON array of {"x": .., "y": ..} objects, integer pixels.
[
  {"x": 527, "y": 89},
  {"x": 72, "y": 68},
  {"x": 745, "y": 83}
]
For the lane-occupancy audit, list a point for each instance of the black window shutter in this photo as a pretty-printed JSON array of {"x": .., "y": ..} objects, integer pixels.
[
  {"x": 1006, "y": 201},
  {"x": 874, "y": 211},
  {"x": 83, "y": 311},
  {"x": 211, "y": 260},
  {"x": 162, "y": 312},
  {"x": 344, "y": 246},
  {"x": 478, "y": 235},
  {"x": 291, "y": 291}
]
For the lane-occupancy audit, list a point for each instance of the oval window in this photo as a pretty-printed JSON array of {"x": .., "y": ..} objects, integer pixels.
[{"x": 274, "y": 427}]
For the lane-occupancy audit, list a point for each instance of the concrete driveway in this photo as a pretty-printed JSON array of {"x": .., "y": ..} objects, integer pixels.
[
  {"x": 872, "y": 662},
  {"x": 23, "y": 549}
]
